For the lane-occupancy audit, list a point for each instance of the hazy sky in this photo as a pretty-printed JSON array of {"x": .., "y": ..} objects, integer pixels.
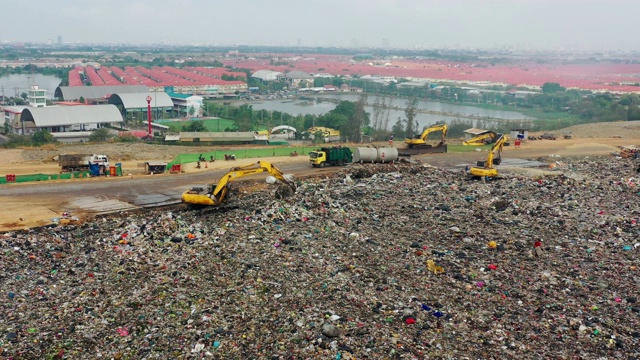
[{"x": 588, "y": 24}]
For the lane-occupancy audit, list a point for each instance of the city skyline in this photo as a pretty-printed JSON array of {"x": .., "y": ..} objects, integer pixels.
[{"x": 534, "y": 24}]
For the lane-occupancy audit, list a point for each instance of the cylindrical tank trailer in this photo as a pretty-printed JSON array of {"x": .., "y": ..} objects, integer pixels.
[{"x": 375, "y": 155}]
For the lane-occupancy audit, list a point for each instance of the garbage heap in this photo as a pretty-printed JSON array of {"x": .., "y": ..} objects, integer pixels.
[{"x": 378, "y": 261}]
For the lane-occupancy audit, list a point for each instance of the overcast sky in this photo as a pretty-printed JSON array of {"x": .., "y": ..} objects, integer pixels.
[{"x": 582, "y": 24}]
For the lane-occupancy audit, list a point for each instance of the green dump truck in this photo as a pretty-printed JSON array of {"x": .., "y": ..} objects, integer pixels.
[{"x": 330, "y": 156}]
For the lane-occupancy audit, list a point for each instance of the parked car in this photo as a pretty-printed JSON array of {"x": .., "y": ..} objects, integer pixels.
[{"x": 548, "y": 136}]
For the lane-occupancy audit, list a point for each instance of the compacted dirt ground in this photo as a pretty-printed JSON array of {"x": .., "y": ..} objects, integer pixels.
[{"x": 24, "y": 211}]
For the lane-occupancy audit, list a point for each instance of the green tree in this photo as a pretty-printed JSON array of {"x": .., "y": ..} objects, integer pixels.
[
  {"x": 318, "y": 137},
  {"x": 398, "y": 129},
  {"x": 194, "y": 126},
  {"x": 81, "y": 100},
  {"x": 100, "y": 135},
  {"x": 411, "y": 125},
  {"x": 42, "y": 137},
  {"x": 633, "y": 112},
  {"x": 359, "y": 120},
  {"x": 551, "y": 87},
  {"x": 24, "y": 96},
  {"x": 349, "y": 117},
  {"x": 243, "y": 115}
]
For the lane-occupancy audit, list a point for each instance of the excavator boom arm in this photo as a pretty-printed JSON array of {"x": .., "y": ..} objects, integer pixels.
[
  {"x": 497, "y": 147},
  {"x": 423, "y": 137},
  {"x": 495, "y": 156},
  {"x": 220, "y": 191},
  {"x": 434, "y": 128},
  {"x": 481, "y": 139}
]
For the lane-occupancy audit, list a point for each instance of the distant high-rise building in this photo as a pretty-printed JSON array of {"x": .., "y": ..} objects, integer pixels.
[
  {"x": 386, "y": 43},
  {"x": 59, "y": 39},
  {"x": 299, "y": 42}
]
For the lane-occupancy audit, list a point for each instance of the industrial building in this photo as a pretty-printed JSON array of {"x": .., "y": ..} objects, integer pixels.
[
  {"x": 298, "y": 79},
  {"x": 190, "y": 105},
  {"x": 130, "y": 103},
  {"x": 267, "y": 75},
  {"x": 93, "y": 94},
  {"x": 67, "y": 123}
]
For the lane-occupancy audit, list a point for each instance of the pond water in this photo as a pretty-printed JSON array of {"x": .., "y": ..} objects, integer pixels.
[
  {"x": 19, "y": 83},
  {"x": 447, "y": 112}
]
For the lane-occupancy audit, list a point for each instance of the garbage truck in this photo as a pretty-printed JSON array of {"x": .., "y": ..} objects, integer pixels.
[
  {"x": 79, "y": 162},
  {"x": 330, "y": 156}
]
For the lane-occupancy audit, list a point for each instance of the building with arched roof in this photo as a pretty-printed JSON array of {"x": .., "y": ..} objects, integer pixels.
[
  {"x": 267, "y": 75},
  {"x": 71, "y": 93},
  {"x": 298, "y": 79},
  {"x": 130, "y": 103},
  {"x": 60, "y": 121},
  {"x": 283, "y": 132}
]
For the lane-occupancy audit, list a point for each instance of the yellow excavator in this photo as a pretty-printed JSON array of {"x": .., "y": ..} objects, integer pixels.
[
  {"x": 485, "y": 168},
  {"x": 420, "y": 141},
  {"x": 214, "y": 195},
  {"x": 482, "y": 139}
]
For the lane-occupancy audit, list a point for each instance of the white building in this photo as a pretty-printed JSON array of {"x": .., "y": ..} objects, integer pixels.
[
  {"x": 12, "y": 118},
  {"x": 62, "y": 121},
  {"x": 191, "y": 105},
  {"x": 267, "y": 75},
  {"x": 37, "y": 97},
  {"x": 299, "y": 79}
]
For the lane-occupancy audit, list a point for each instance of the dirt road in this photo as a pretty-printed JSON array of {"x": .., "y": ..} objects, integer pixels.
[
  {"x": 28, "y": 205},
  {"x": 35, "y": 204}
]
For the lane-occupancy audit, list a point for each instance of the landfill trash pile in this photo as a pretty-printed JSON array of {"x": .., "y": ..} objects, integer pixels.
[{"x": 379, "y": 261}]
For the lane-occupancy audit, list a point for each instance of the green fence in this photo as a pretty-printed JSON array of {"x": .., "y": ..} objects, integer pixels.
[{"x": 46, "y": 177}]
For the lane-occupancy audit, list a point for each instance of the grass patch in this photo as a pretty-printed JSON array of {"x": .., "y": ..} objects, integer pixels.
[
  {"x": 243, "y": 153},
  {"x": 537, "y": 114},
  {"x": 213, "y": 125}
]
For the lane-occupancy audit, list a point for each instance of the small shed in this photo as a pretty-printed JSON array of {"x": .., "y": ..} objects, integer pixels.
[
  {"x": 155, "y": 167},
  {"x": 473, "y": 132},
  {"x": 520, "y": 133}
]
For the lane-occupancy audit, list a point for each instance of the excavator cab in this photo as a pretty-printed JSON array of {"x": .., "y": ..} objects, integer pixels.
[{"x": 214, "y": 195}]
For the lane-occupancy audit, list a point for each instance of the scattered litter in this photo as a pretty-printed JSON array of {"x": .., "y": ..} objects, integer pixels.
[{"x": 343, "y": 269}]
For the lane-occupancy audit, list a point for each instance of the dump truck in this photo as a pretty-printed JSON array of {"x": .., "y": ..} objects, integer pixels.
[
  {"x": 330, "y": 156},
  {"x": 79, "y": 162}
]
